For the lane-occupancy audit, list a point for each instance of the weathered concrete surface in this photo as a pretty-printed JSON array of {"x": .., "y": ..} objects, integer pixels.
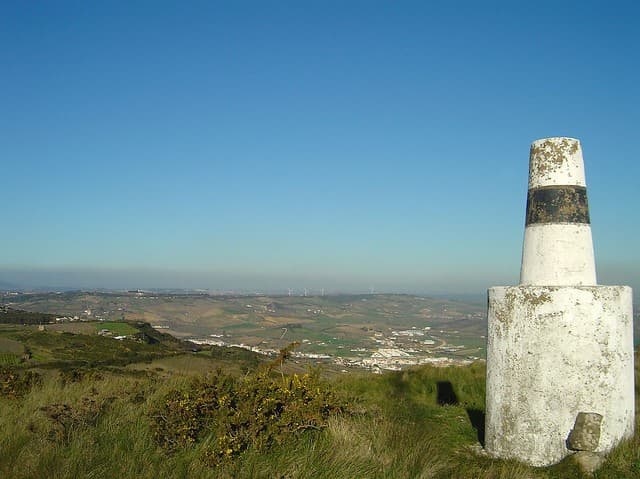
[
  {"x": 558, "y": 255},
  {"x": 556, "y": 161},
  {"x": 553, "y": 352},
  {"x": 558, "y": 247},
  {"x": 557, "y": 345}
]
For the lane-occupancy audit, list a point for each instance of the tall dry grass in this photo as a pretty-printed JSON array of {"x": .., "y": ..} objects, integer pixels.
[{"x": 423, "y": 423}]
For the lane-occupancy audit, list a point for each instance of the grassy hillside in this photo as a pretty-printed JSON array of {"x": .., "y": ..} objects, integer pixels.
[
  {"x": 18, "y": 316},
  {"x": 165, "y": 419}
]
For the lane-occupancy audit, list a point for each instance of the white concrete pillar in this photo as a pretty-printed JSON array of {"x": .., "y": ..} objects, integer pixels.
[
  {"x": 557, "y": 344},
  {"x": 557, "y": 249}
]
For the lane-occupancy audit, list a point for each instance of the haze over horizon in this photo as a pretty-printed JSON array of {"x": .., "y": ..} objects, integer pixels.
[{"x": 337, "y": 145}]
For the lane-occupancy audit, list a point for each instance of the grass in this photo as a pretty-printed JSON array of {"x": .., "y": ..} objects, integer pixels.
[
  {"x": 10, "y": 346},
  {"x": 118, "y": 328},
  {"x": 9, "y": 359},
  {"x": 60, "y": 348},
  {"x": 421, "y": 423},
  {"x": 11, "y": 352},
  {"x": 92, "y": 416}
]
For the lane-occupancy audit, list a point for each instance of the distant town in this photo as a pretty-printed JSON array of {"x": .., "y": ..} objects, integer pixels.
[{"x": 399, "y": 349}]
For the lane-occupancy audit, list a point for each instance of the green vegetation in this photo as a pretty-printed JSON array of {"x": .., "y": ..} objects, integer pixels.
[
  {"x": 12, "y": 352},
  {"x": 31, "y": 347},
  {"x": 16, "y": 384},
  {"x": 9, "y": 359},
  {"x": 151, "y": 423},
  {"x": 329, "y": 324},
  {"x": 118, "y": 328},
  {"x": 82, "y": 405},
  {"x": 17, "y": 316},
  {"x": 56, "y": 349},
  {"x": 231, "y": 415},
  {"x": 10, "y": 346}
]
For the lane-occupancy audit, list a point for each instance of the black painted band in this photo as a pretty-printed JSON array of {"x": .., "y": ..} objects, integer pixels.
[{"x": 558, "y": 204}]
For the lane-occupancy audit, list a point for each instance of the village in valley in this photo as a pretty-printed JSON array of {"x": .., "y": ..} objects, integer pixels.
[
  {"x": 374, "y": 332},
  {"x": 392, "y": 350}
]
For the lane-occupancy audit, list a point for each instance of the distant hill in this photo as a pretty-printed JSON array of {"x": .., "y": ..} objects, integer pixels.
[
  {"x": 343, "y": 328},
  {"x": 18, "y": 316}
]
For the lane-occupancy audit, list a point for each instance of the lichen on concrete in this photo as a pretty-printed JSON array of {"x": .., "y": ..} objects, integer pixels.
[
  {"x": 553, "y": 352},
  {"x": 585, "y": 434},
  {"x": 549, "y": 155},
  {"x": 536, "y": 296}
]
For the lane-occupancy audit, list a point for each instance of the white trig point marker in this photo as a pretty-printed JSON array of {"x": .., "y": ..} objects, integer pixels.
[
  {"x": 558, "y": 249},
  {"x": 557, "y": 344}
]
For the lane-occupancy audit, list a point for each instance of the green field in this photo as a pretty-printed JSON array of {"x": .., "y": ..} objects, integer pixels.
[
  {"x": 11, "y": 351},
  {"x": 10, "y": 346},
  {"x": 116, "y": 328},
  {"x": 9, "y": 359}
]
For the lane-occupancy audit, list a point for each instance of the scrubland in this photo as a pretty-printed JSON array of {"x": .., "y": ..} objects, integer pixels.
[{"x": 253, "y": 419}]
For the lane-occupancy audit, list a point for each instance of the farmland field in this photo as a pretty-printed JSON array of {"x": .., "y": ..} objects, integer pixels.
[
  {"x": 116, "y": 328},
  {"x": 346, "y": 329},
  {"x": 9, "y": 359},
  {"x": 10, "y": 346}
]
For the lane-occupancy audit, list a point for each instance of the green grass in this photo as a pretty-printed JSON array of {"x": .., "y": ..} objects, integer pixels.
[
  {"x": 52, "y": 348},
  {"x": 11, "y": 352},
  {"x": 421, "y": 423},
  {"x": 92, "y": 417},
  {"x": 9, "y": 359},
  {"x": 10, "y": 346},
  {"x": 118, "y": 328}
]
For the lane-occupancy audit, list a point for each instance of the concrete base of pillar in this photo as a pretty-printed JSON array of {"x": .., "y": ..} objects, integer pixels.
[{"x": 553, "y": 352}]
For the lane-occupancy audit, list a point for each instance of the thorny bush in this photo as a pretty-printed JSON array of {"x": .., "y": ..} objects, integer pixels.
[
  {"x": 15, "y": 384},
  {"x": 234, "y": 414},
  {"x": 66, "y": 419}
]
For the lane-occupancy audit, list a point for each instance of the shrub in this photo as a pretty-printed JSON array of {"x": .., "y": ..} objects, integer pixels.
[
  {"x": 66, "y": 418},
  {"x": 76, "y": 375},
  {"x": 14, "y": 384},
  {"x": 235, "y": 414}
]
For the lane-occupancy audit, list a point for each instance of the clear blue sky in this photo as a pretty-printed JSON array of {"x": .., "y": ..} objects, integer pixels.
[{"x": 336, "y": 144}]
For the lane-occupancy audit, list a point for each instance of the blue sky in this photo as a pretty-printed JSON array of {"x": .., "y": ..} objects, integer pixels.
[{"x": 334, "y": 144}]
